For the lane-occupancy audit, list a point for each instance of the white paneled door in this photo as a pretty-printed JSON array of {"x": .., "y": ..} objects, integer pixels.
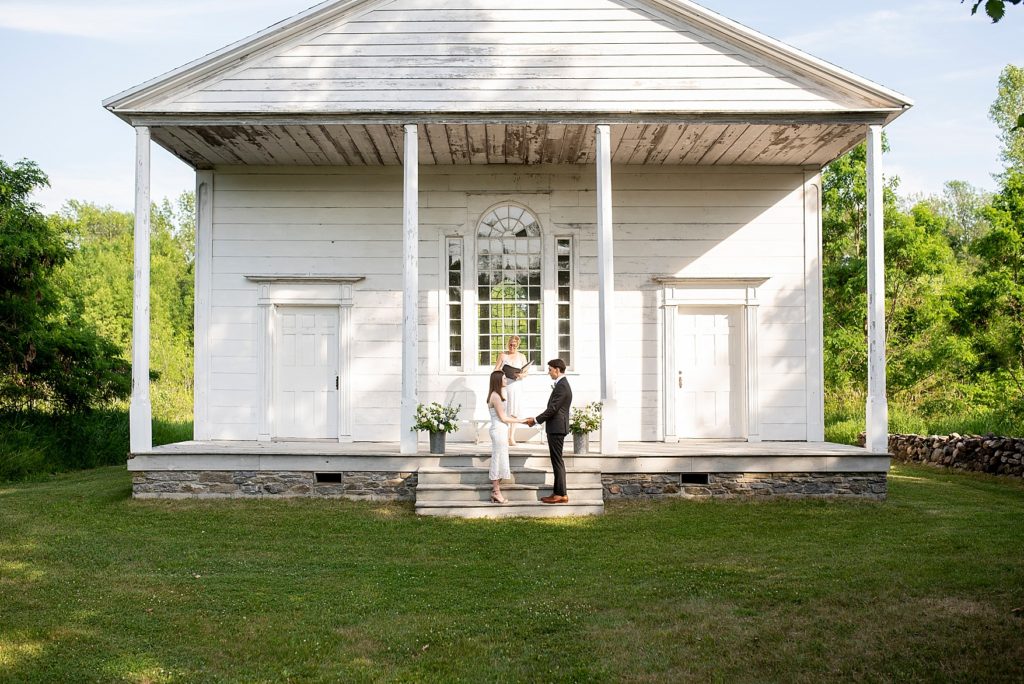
[
  {"x": 306, "y": 368},
  {"x": 708, "y": 373}
]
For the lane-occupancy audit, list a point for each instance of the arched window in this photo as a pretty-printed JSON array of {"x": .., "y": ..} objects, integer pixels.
[{"x": 508, "y": 282}]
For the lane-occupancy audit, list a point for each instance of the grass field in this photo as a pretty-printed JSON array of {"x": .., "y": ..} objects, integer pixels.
[{"x": 97, "y": 587}]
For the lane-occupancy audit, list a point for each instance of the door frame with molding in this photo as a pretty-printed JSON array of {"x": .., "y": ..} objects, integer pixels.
[
  {"x": 299, "y": 290},
  {"x": 711, "y": 293}
]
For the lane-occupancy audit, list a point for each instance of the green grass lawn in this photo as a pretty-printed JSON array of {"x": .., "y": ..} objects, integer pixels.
[{"x": 97, "y": 587}]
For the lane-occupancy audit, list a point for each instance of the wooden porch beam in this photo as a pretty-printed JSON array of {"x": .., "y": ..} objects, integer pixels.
[
  {"x": 852, "y": 118},
  {"x": 877, "y": 404},
  {"x": 410, "y": 290},
  {"x": 140, "y": 411}
]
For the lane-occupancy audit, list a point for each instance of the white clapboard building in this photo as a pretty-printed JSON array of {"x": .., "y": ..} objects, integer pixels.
[{"x": 387, "y": 188}]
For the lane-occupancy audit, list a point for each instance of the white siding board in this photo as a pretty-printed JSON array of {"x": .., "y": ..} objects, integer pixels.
[
  {"x": 661, "y": 227},
  {"x": 497, "y": 56}
]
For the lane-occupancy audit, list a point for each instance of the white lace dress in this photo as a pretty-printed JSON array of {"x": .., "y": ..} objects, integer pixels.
[{"x": 499, "y": 447}]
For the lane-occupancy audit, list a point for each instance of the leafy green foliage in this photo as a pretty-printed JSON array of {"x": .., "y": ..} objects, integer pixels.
[
  {"x": 996, "y": 9},
  {"x": 50, "y": 357},
  {"x": 1007, "y": 112},
  {"x": 97, "y": 284},
  {"x": 993, "y": 307},
  {"x": 952, "y": 329}
]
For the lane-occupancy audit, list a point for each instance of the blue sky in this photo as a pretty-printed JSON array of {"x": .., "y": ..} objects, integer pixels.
[{"x": 63, "y": 57}]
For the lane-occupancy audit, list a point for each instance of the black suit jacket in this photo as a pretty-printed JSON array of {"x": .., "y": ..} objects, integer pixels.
[{"x": 556, "y": 416}]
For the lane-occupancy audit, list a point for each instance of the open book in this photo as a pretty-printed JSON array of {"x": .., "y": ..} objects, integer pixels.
[{"x": 513, "y": 373}]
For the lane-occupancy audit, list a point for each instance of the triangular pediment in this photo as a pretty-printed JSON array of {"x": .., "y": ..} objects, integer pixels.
[{"x": 507, "y": 56}]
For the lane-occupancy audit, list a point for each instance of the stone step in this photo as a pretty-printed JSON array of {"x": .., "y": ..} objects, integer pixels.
[
  {"x": 512, "y": 509},
  {"x": 516, "y": 460},
  {"x": 530, "y": 476},
  {"x": 513, "y": 492}
]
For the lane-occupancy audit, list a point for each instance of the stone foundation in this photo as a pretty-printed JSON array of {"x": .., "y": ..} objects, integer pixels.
[
  {"x": 746, "y": 485},
  {"x": 216, "y": 484},
  {"x": 394, "y": 486}
]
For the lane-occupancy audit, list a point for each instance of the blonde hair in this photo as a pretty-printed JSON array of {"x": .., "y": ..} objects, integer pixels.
[{"x": 517, "y": 338}]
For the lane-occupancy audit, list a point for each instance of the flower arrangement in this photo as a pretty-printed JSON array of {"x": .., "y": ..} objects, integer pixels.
[
  {"x": 585, "y": 420},
  {"x": 435, "y": 417}
]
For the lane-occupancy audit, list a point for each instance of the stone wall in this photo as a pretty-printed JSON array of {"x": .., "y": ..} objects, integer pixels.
[
  {"x": 746, "y": 485},
  {"x": 989, "y": 454},
  {"x": 209, "y": 484}
]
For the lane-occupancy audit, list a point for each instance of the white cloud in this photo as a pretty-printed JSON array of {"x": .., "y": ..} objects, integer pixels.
[{"x": 910, "y": 30}]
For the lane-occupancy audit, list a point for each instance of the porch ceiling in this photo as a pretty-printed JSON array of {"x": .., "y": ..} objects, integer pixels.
[{"x": 205, "y": 146}]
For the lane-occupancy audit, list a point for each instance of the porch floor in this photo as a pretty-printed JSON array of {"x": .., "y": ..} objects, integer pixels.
[
  {"x": 690, "y": 456},
  {"x": 683, "y": 449}
]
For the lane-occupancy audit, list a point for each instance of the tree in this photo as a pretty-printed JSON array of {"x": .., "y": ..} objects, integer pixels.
[
  {"x": 920, "y": 268},
  {"x": 959, "y": 213},
  {"x": 48, "y": 356},
  {"x": 993, "y": 307},
  {"x": 97, "y": 285},
  {"x": 996, "y": 9},
  {"x": 1007, "y": 112}
]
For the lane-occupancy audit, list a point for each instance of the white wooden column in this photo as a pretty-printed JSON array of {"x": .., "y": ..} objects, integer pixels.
[
  {"x": 877, "y": 405},
  {"x": 410, "y": 290},
  {"x": 750, "y": 363},
  {"x": 606, "y": 292},
  {"x": 141, "y": 409},
  {"x": 203, "y": 292}
]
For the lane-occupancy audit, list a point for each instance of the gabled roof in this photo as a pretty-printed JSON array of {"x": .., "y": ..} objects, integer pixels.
[{"x": 440, "y": 58}]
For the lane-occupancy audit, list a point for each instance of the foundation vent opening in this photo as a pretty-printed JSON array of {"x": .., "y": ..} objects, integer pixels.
[
  {"x": 694, "y": 478},
  {"x": 328, "y": 477}
]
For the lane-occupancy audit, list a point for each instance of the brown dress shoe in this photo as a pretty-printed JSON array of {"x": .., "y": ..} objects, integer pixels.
[{"x": 554, "y": 499}]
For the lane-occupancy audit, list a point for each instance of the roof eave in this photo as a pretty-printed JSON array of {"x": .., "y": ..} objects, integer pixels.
[{"x": 881, "y": 116}]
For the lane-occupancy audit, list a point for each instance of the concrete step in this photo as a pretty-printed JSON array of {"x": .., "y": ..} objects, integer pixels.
[
  {"x": 481, "y": 493},
  {"x": 512, "y": 509}
]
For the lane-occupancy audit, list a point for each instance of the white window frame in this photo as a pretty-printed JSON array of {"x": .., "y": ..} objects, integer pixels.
[
  {"x": 573, "y": 279},
  {"x": 536, "y": 204},
  {"x": 443, "y": 317}
]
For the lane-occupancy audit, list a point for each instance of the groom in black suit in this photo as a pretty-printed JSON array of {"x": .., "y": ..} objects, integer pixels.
[{"x": 556, "y": 419}]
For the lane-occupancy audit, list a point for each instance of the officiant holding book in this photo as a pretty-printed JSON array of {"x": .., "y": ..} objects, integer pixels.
[{"x": 515, "y": 367}]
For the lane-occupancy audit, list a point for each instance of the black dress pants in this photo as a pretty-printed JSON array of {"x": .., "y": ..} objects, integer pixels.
[{"x": 555, "y": 444}]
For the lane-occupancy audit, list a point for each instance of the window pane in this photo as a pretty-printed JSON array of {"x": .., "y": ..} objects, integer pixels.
[
  {"x": 508, "y": 281},
  {"x": 563, "y": 278},
  {"x": 455, "y": 284}
]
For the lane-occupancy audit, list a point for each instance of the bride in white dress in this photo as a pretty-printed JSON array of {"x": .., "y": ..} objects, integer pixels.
[
  {"x": 514, "y": 358},
  {"x": 500, "y": 422}
]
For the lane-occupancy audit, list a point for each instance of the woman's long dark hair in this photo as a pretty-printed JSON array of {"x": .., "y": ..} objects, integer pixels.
[{"x": 496, "y": 386}]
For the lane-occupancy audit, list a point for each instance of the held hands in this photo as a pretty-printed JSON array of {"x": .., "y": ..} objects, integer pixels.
[{"x": 530, "y": 422}]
